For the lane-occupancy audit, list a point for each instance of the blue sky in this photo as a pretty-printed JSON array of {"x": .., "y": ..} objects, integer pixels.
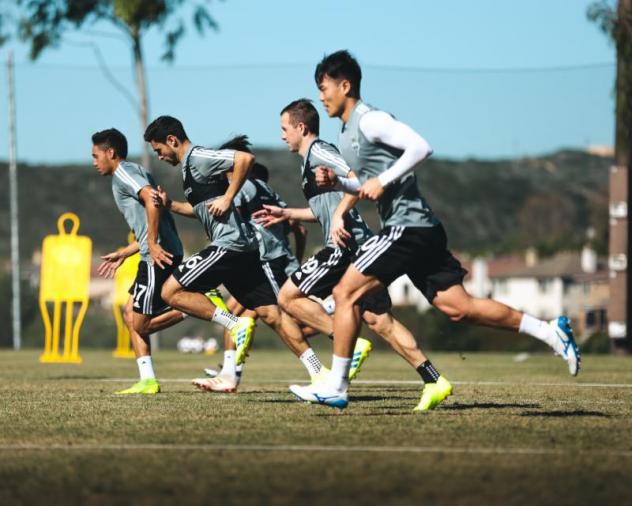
[{"x": 456, "y": 71}]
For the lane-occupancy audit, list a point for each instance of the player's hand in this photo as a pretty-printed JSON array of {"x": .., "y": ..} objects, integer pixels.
[
  {"x": 270, "y": 215},
  {"x": 339, "y": 234},
  {"x": 111, "y": 262},
  {"x": 325, "y": 177},
  {"x": 160, "y": 198},
  {"x": 159, "y": 256},
  {"x": 219, "y": 206},
  {"x": 372, "y": 189}
]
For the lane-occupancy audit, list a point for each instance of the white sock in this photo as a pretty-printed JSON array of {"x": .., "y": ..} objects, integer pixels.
[
  {"x": 311, "y": 362},
  {"x": 537, "y": 328},
  {"x": 228, "y": 367},
  {"x": 224, "y": 318},
  {"x": 145, "y": 367},
  {"x": 339, "y": 375}
]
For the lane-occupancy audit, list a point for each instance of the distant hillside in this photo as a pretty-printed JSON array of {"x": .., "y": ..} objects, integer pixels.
[{"x": 486, "y": 206}]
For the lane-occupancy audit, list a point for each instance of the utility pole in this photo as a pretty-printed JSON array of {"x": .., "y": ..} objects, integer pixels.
[
  {"x": 13, "y": 213},
  {"x": 620, "y": 251}
]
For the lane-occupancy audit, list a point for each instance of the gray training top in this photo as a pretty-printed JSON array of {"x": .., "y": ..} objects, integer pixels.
[
  {"x": 324, "y": 201},
  {"x": 228, "y": 231},
  {"x": 402, "y": 203},
  {"x": 127, "y": 181},
  {"x": 273, "y": 240}
]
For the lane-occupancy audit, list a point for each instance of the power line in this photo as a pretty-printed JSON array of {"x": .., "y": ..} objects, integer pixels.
[{"x": 390, "y": 68}]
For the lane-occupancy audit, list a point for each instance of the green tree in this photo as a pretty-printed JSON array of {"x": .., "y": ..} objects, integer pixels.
[
  {"x": 44, "y": 22},
  {"x": 616, "y": 22}
]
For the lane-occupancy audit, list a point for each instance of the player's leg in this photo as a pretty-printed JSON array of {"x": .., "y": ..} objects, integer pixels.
[
  {"x": 333, "y": 391},
  {"x": 145, "y": 313},
  {"x": 305, "y": 310},
  {"x": 252, "y": 288},
  {"x": 317, "y": 277},
  {"x": 459, "y": 306},
  {"x": 194, "y": 278}
]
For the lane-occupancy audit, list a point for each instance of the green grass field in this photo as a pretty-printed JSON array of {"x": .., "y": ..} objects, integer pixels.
[{"x": 513, "y": 433}]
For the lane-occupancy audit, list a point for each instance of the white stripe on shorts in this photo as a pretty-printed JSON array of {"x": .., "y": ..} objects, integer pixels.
[
  {"x": 376, "y": 251},
  {"x": 149, "y": 293},
  {"x": 309, "y": 282},
  {"x": 194, "y": 273},
  {"x": 270, "y": 275}
]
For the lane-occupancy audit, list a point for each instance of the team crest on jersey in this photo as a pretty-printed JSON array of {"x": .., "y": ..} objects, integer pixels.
[{"x": 355, "y": 146}]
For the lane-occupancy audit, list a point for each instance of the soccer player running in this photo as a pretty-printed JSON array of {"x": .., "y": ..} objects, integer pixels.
[
  {"x": 232, "y": 259},
  {"x": 159, "y": 245},
  {"x": 277, "y": 261},
  {"x": 383, "y": 153},
  {"x": 343, "y": 234}
]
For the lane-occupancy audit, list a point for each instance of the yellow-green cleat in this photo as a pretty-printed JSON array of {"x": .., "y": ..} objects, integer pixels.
[
  {"x": 360, "y": 353},
  {"x": 146, "y": 386},
  {"x": 433, "y": 394},
  {"x": 242, "y": 334},
  {"x": 216, "y": 298}
]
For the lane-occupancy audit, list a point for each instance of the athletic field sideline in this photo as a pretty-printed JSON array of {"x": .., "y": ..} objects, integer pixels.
[{"x": 513, "y": 433}]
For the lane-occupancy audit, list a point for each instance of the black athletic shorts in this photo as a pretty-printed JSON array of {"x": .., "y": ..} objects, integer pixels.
[
  {"x": 147, "y": 287},
  {"x": 239, "y": 271},
  {"x": 275, "y": 270},
  {"x": 419, "y": 252},
  {"x": 321, "y": 272}
]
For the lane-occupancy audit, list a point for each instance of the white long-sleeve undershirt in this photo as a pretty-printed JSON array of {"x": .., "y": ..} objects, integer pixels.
[{"x": 379, "y": 126}]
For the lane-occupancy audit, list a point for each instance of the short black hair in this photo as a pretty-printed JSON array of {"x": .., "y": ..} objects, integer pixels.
[
  {"x": 340, "y": 65},
  {"x": 111, "y": 138},
  {"x": 162, "y": 126},
  {"x": 303, "y": 111},
  {"x": 238, "y": 143},
  {"x": 260, "y": 171}
]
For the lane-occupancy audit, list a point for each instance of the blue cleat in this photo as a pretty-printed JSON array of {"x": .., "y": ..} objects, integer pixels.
[
  {"x": 320, "y": 393},
  {"x": 565, "y": 346}
]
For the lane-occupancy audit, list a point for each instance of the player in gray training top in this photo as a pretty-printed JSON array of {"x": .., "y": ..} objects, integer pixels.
[
  {"x": 159, "y": 245},
  {"x": 277, "y": 260},
  {"x": 317, "y": 276},
  {"x": 232, "y": 259},
  {"x": 383, "y": 153}
]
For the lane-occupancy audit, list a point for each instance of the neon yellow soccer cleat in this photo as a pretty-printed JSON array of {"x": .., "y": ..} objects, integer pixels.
[
  {"x": 216, "y": 298},
  {"x": 242, "y": 334},
  {"x": 433, "y": 394},
  {"x": 146, "y": 386},
  {"x": 360, "y": 353}
]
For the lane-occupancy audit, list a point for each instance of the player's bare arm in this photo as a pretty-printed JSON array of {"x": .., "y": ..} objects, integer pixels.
[
  {"x": 241, "y": 167},
  {"x": 271, "y": 215},
  {"x": 300, "y": 238},
  {"x": 159, "y": 256},
  {"x": 161, "y": 199},
  {"x": 339, "y": 234},
  {"x": 112, "y": 261}
]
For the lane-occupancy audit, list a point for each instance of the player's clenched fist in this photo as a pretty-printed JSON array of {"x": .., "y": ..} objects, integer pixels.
[
  {"x": 325, "y": 177},
  {"x": 372, "y": 189}
]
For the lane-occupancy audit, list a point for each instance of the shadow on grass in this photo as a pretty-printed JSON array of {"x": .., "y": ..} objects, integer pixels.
[
  {"x": 378, "y": 414},
  {"x": 566, "y": 414},
  {"x": 488, "y": 405}
]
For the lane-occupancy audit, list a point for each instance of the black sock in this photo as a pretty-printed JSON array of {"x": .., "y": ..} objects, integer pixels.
[{"x": 428, "y": 372}]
